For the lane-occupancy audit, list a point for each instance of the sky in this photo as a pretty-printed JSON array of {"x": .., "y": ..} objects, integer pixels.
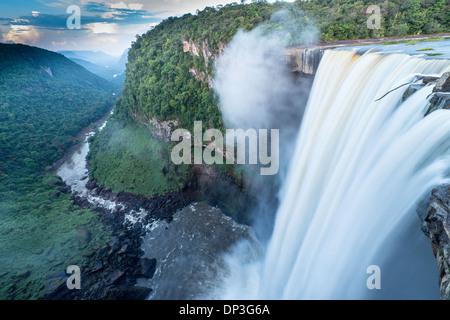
[{"x": 106, "y": 25}]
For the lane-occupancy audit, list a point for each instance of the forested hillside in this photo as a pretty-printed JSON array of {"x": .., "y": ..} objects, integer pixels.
[{"x": 45, "y": 100}]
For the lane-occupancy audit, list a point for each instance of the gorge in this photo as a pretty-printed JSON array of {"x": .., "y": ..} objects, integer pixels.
[
  {"x": 336, "y": 221},
  {"x": 354, "y": 121}
]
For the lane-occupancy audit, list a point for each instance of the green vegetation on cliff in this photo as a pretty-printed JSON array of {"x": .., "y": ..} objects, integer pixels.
[
  {"x": 128, "y": 158},
  {"x": 170, "y": 68},
  {"x": 45, "y": 100}
]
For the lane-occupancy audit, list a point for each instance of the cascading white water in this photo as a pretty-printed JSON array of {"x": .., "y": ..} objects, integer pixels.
[{"x": 359, "y": 169}]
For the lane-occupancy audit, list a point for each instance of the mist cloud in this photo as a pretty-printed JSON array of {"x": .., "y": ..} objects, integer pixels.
[{"x": 257, "y": 89}]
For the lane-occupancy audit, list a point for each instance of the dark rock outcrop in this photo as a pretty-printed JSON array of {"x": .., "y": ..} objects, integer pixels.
[
  {"x": 304, "y": 60},
  {"x": 436, "y": 226},
  {"x": 148, "y": 268},
  {"x": 440, "y": 98},
  {"x": 443, "y": 84},
  {"x": 436, "y": 221},
  {"x": 114, "y": 268},
  {"x": 441, "y": 94}
]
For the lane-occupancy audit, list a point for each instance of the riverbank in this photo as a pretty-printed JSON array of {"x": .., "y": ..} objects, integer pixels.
[
  {"x": 118, "y": 264},
  {"x": 114, "y": 266},
  {"x": 81, "y": 139}
]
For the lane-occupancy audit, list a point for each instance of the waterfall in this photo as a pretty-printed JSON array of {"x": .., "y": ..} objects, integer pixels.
[
  {"x": 358, "y": 171},
  {"x": 359, "y": 167}
]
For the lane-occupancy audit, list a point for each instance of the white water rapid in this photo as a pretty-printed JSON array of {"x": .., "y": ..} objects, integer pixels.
[{"x": 358, "y": 171}]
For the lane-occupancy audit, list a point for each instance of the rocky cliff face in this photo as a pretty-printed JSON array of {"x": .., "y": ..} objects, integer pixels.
[
  {"x": 436, "y": 226},
  {"x": 436, "y": 223},
  {"x": 203, "y": 51},
  {"x": 304, "y": 60}
]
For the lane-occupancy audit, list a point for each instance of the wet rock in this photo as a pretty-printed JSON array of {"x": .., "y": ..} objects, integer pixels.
[
  {"x": 443, "y": 84},
  {"x": 429, "y": 79},
  {"x": 109, "y": 215},
  {"x": 114, "y": 277},
  {"x": 114, "y": 245},
  {"x": 304, "y": 60},
  {"x": 148, "y": 268},
  {"x": 124, "y": 249},
  {"x": 411, "y": 90},
  {"x": 98, "y": 265},
  {"x": 436, "y": 227},
  {"x": 128, "y": 293}
]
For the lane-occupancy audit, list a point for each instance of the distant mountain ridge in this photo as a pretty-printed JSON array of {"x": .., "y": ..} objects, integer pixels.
[
  {"x": 104, "y": 65},
  {"x": 18, "y": 60},
  {"x": 43, "y": 89}
]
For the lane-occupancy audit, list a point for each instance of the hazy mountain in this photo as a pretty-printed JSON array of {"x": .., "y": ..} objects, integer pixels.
[{"x": 106, "y": 66}]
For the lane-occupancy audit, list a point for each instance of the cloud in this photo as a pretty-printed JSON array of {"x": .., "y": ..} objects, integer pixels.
[
  {"x": 59, "y": 44},
  {"x": 109, "y": 25},
  {"x": 120, "y": 5},
  {"x": 22, "y": 34},
  {"x": 135, "y": 6},
  {"x": 103, "y": 27}
]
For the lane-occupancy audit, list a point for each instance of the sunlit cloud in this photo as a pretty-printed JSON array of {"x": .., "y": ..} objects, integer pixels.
[
  {"x": 135, "y": 6},
  {"x": 22, "y": 34},
  {"x": 108, "y": 25},
  {"x": 102, "y": 27},
  {"x": 120, "y": 5},
  {"x": 59, "y": 44}
]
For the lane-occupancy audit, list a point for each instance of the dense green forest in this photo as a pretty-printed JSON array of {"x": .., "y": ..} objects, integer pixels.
[
  {"x": 45, "y": 100},
  {"x": 160, "y": 83}
]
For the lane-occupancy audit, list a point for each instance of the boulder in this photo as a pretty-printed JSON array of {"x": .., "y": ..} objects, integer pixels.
[
  {"x": 114, "y": 277},
  {"x": 148, "y": 268},
  {"x": 443, "y": 84}
]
